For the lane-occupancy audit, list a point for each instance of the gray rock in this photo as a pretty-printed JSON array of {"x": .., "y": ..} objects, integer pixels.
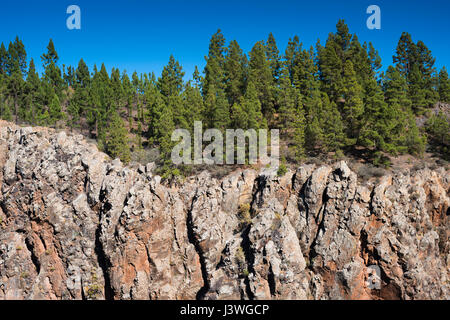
[{"x": 74, "y": 225}]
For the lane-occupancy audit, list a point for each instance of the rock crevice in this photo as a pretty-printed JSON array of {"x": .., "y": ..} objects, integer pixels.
[{"x": 75, "y": 225}]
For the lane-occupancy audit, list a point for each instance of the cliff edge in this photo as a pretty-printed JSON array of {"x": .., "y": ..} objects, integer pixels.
[{"x": 74, "y": 225}]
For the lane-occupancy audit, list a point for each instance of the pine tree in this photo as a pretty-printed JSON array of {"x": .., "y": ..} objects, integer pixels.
[
  {"x": 73, "y": 113},
  {"x": 379, "y": 121},
  {"x": 80, "y": 101},
  {"x": 101, "y": 101},
  {"x": 427, "y": 70},
  {"x": 138, "y": 92},
  {"x": 34, "y": 94},
  {"x": 292, "y": 48},
  {"x": 16, "y": 70},
  {"x": 405, "y": 52},
  {"x": 3, "y": 59},
  {"x": 193, "y": 104},
  {"x": 150, "y": 93},
  {"x": 116, "y": 139},
  {"x": 396, "y": 89},
  {"x": 197, "y": 78},
  {"x": 5, "y": 109},
  {"x": 2, "y": 94},
  {"x": 128, "y": 95},
  {"x": 331, "y": 61},
  {"x": 214, "y": 69},
  {"x": 5, "y": 112},
  {"x": 170, "y": 85},
  {"x": 292, "y": 116},
  {"x": 286, "y": 102},
  {"x": 171, "y": 81},
  {"x": 416, "y": 91},
  {"x": 235, "y": 72},
  {"x": 304, "y": 72},
  {"x": 116, "y": 88},
  {"x": 51, "y": 56},
  {"x": 332, "y": 127},
  {"x": 217, "y": 109},
  {"x": 261, "y": 76},
  {"x": 273, "y": 56},
  {"x": 163, "y": 126},
  {"x": 55, "y": 111},
  {"x": 375, "y": 59},
  {"x": 325, "y": 130},
  {"x": 52, "y": 73},
  {"x": 416, "y": 64},
  {"x": 406, "y": 134},
  {"x": 16, "y": 85},
  {"x": 342, "y": 37},
  {"x": 415, "y": 141},
  {"x": 177, "y": 107},
  {"x": 314, "y": 134},
  {"x": 444, "y": 86},
  {"x": 425, "y": 60},
  {"x": 298, "y": 139},
  {"x": 362, "y": 64},
  {"x": 82, "y": 75},
  {"x": 352, "y": 103},
  {"x": 17, "y": 58},
  {"x": 69, "y": 76},
  {"x": 253, "y": 109},
  {"x": 239, "y": 118},
  {"x": 438, "y": 128}
]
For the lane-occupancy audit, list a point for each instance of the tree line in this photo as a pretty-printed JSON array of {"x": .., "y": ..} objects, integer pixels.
[{"x": 330, "y": 99}]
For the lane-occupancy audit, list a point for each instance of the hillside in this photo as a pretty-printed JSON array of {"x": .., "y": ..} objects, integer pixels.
[{"x": 336, "y": 100}]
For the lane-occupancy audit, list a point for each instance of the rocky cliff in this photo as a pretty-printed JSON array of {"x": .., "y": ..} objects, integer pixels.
[{"x": 74, "y": 225}]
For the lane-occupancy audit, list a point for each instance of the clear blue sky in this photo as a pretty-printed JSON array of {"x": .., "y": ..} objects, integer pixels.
[{"x": 140, "y": 35}]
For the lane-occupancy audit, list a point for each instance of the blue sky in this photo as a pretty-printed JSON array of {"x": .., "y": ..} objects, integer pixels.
[{"x": 140, "y": 35}]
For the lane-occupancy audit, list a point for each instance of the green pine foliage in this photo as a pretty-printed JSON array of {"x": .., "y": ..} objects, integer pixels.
[
  {"x": 55, "y": 111},
  {"x": 444, "y": 86},
  {"x": 260, "y": 75},
  {"x": 351, "y": 101},
  {"x": 292, "y": 116},
  {"x": 116, "y": 139},
  {"x": 332, "y": 127},
  {"x": 215, "y": 64},
  {"x": 415, "y": 63},
  {"x": 328, "y": 100},
  {"x": 235, "y": 72},
  {"x": 438, "y": 128}
]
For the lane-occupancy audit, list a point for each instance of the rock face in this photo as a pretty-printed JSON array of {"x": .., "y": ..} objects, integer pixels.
[{"x": 74, "y": 225}]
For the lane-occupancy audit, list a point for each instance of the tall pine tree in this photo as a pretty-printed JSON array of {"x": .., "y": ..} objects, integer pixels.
[{"x": 444, "y": 86}]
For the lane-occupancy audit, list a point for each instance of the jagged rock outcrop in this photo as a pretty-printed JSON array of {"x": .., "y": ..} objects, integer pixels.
[{"x": 75, "y": 225}]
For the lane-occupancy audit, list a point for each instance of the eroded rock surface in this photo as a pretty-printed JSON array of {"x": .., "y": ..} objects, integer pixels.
[{"x": 74, "y": 225}]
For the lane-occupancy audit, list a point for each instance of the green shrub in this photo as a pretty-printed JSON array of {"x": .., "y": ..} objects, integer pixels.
[
  {"x": 282, "y": 170},
  {"x": 93, "y": 291},
  {"x": 245, "y": 218}
]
